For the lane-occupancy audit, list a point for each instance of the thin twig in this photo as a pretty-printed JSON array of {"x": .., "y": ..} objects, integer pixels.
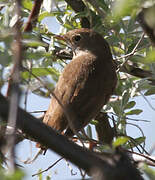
[
  {"x": 134, "y": 49},
  {"x": 132, "y": 119},
  {"x": 147, "y": 101},
  {"x": 83, "y": 174},
  {"x": 131, "y": 53},
  {"x": 27, "y": 90},
  {"x": 114, "y": 126},
  {"x": 40, "y": 172},
  {"x": 140, "y": 131},
  {"x": 41, "y": 111},
  {"x": 145, "y": 158},
  {"x": 135, "y": 143},
  {"x": 30, "y": 161}
]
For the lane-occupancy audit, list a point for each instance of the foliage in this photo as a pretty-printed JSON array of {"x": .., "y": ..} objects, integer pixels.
[
  {"x": 17, "y": 175},
  {"x": 149, "y": 172},
  {"x": 120, "y": 29}
]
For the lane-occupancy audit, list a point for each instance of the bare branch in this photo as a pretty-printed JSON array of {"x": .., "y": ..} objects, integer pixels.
[
  {"x": 147, "y": 101},
  {"x": 33, "y": 16},
  {"x": 149, "y": 160},
  {"x": 132, "y": 52},
  {"x": 40, "y": 172},
  {"x": 14, "y": 88}
]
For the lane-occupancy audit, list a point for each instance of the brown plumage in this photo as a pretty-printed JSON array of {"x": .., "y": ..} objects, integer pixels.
[{"x": 86, "y": 83}]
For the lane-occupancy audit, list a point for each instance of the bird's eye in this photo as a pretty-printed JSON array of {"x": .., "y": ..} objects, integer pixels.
[{"x": 76, "y": 38}]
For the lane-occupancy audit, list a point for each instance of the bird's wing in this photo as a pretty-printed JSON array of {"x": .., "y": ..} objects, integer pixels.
[
  {"x": 67, "y": 88},
  {"x": 83, "y": 90}
]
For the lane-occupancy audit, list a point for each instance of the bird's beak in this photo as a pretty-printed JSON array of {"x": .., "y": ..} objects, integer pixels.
[
  {"x": 59, "y": 37},
  {"x": 65, "y": 39}
]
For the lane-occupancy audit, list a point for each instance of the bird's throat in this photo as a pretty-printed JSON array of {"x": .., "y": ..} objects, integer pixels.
[{"x": 78, "y": 53}]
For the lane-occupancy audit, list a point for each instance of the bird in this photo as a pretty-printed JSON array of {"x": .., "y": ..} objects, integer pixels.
[{"x": 86, "y": 83}]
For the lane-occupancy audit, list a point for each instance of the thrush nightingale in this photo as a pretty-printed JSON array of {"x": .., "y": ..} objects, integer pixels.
[{"x": 85, "y": 84}]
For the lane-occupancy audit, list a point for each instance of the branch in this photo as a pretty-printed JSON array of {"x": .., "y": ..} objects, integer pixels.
[
  {"x": 131, "y": 53},
  {"x": 116, "y": 166},
  {"x": 33, "y": 16},
  {"x": 134, "y": 49},
  {"x": 13, "y": 88},
  {"x": 136, "y": 157},
  {"x": 149, "y": 160},
  {"x": 45, "y": 170}
]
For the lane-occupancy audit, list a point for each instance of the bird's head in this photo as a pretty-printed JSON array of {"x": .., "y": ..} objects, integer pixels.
[{"x": 84, "y": 40}]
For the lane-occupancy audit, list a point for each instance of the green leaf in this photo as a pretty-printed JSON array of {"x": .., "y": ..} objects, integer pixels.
[
  {"x": 48, "y": 178},
  {"x": 118, "y": 50},
  {"x": 150, "y": 91},
  {"x": 143, "y": 84},
  {"x": 40, "y": 175},
  {"x": 125, "y": 98},
  {"x": 130, "y": 105},
  {"x": 41, "y": 72},
  {"x": 34, "y": 43},
  {"x": 89, "y": 131},
  {"x": 116, "y": 106},
  {"x": 17, "y": 175},
  {"x": 68, "y": 26},
  {"x": 44, "y": 15},
  {"x": 150, "y": 172},
  {"x": 135, "y": 142},
  {"x": 131, "y": 47},
  {"x": 124, "y": 8},
  {"x": 28, "y": 35},
  {"x": 5, "y": 58},
  {"x": 134, "y": 112},
  {"x": 59, "y": 19},
  {"x": 139, "y": 140},
  {"x": 120, "y": 141},
  {"x": 150, "y": 58},
  {"x": 94, "y": 122},
  {"x": 132, "y": 26},
  {"x": 37, "y": 55},
  {"x": 27, "y": 4},
  {"x": 137, "y": 58},
  {"x": 103, "y": 5}
]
